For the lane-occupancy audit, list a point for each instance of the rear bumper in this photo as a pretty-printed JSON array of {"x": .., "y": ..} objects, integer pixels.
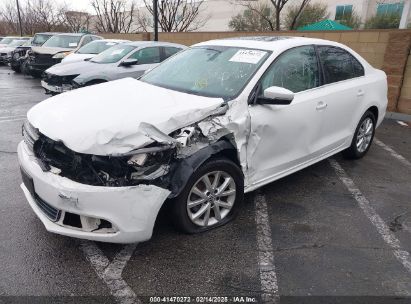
[{"x": 132, "y": 211}]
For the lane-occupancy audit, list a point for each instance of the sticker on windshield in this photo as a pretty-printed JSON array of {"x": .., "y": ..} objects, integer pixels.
[
  {"x": 116, "y": 52},
  {"x": 110, "y": 43},
  {"x": 248, "y": 56},
  {"x": 73, "y": 44}
]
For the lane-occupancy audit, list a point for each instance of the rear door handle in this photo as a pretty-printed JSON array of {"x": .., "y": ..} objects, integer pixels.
[
  {"x": 321, "y": 105},
  {"x": 360, "y": 93}
]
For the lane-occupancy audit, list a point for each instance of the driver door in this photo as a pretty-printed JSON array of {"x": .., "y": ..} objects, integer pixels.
[
  {"x": 147, "y": 58},
  {"x": 284, "y": 137}
]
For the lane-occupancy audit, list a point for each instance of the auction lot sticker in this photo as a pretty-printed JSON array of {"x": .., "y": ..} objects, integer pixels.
[{"x": 248, "y": 56}]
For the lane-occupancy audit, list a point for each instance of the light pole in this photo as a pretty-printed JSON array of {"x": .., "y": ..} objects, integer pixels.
[
  {"x": 155, "y": 20},
  {"x": 18, "y": 13}
]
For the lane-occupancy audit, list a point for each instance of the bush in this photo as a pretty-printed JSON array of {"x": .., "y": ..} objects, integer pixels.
[
  {"x": 311, "y": 13},
  {"x": 353, "y": 20},
  {"x": 387, "y": 21}
]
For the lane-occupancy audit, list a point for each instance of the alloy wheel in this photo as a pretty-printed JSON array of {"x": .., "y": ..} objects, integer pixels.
[{"x": 211, "y": 198}]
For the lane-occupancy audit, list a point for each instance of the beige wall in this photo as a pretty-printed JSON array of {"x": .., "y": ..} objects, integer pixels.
[{"x": 384, "y": 49}]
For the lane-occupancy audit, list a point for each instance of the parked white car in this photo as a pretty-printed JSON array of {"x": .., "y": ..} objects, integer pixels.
[
  {"x": 91, "y": 49},
  {"x": 219, "y": 119},
  {"x": 130, "y": 59}
]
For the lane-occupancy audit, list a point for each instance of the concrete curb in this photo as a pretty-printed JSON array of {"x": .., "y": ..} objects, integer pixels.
[{"x": 398, "y": 116}]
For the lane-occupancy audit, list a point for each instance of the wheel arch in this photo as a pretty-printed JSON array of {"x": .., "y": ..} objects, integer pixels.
[{"x": 184, "y": 168}]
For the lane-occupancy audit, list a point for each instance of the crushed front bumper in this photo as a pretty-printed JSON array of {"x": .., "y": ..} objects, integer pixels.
[
  {"x": 56, "y": 88},
  {"x": 131, "y": 211}
]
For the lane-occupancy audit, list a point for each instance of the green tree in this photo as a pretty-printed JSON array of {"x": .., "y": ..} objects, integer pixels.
[
  {"x": 386, "y": 21},
  {"x": 254, "y": 18},
  {"x": 352, "y": 20},
  {"x": 311, "y": 13}
]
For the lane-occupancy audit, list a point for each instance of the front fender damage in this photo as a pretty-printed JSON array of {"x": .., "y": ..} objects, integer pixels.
[{"x": 168, "y": 162}]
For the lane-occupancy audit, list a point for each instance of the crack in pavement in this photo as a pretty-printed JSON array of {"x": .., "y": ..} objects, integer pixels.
[{"x": 110, "y": 272}]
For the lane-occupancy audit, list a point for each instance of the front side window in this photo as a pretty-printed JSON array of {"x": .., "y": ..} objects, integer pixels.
[
  {"x": 63, "y": 41},
  {"x": 213, "y": 71},
  {"x": 113, "y": 54},
  {"x": 147, "y": 55},
  {"x": 7, "y": 40},
  {"x": 295, "y": 70},
  {"x": 338, "y": 64}
]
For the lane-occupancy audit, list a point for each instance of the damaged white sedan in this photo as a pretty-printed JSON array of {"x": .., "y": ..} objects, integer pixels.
[{"x": 219, "y": 119}]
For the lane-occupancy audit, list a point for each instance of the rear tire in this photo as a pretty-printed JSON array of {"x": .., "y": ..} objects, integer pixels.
[
  {"x": 219, "y": 202},
  {"x": 363, "y": 136}
]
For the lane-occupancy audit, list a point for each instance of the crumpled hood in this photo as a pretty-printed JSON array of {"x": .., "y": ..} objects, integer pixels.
[
  {"x": 104, "y": 119},
  {"x": 74, "y": 57},
  {"x": 50, "y": 50},
  {"x": 72, "y": 68}
]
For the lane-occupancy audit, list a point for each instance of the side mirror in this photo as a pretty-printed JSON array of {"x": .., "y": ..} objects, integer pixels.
[
  {"x": 129, "y": 62},
  {"x": 276, "y": 96}
]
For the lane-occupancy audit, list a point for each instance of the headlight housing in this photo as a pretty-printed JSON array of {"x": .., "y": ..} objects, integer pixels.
[{"x": 61, "y": 55}]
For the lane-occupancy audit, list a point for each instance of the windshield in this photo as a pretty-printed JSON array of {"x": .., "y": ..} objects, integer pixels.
[
  {"x": 63, "y": 41},
  {"x": 96, "y": 47},
  {"x": 215, "y": 71},
  {"x": 39, "y": 39},
  {"x": 7, "y": 40},
  {"x": 113, "y": 54},
  {"x": 17, "y": 42}
]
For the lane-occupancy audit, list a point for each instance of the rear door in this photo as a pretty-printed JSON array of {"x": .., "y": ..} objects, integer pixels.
[{"x": 345, "y": 91}]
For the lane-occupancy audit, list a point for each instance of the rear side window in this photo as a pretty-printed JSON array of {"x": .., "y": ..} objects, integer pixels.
[
  {"x": 170, "y": 51},
  {"x": 338, "y": 64}
]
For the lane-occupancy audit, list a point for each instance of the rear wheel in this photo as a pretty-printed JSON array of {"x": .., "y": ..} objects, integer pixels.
[
  {"x": 211, "y": 198},
  {"x": 363, "y": 136}
]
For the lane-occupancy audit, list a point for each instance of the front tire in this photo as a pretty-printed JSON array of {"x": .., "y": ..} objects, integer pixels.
[
  {"x": 363, "y": 136},
  {"x": 211, "y": 198}
]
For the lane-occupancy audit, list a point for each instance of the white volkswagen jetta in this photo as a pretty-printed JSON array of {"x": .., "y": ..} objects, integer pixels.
[{"x": 219, "y": 119}]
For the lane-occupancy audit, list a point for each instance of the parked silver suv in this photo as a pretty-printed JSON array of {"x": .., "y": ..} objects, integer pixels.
[{"x": 130, "y": 59}]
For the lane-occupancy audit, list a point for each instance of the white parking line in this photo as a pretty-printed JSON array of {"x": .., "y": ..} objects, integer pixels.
[
  {"x": 394, "y": 154},
  {"x": 13, "y": 119},
  {"x": 13, "y": 116},
  {"x": 110, "y": 272},
  {"x": 402, "y": 256},
  {"x": 268, "y": 277}
]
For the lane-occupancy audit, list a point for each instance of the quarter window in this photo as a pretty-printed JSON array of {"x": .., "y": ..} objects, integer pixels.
[
  {"x": 338, "y": 64},
  {"x": 295, "y": 70},
  {"x": 147, "y": 55}
]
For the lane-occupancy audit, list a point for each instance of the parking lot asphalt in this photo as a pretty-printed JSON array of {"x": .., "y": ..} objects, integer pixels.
[{"x": 337, "y": 229}]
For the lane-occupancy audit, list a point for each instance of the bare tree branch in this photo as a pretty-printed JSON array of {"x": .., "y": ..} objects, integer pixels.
[
  {"x": 114, "y": 16},
  {"x": 177, "y": 15}
]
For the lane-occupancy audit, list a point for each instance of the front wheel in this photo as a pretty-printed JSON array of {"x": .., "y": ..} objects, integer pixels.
[
  {"x": 211, "y": 198},
  {"x": 363, "y": 136}
]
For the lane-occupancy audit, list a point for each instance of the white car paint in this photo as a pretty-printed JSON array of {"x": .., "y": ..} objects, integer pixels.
[
  {"x": 73, "y": 57},
  {"x": 79, "y": 56},
  {"x": 272, "y": 141}
]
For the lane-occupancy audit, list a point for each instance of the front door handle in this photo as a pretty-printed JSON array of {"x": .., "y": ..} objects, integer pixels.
[
  {"x": 360, "y": 93},
  {"x": 321, "y": 105}
]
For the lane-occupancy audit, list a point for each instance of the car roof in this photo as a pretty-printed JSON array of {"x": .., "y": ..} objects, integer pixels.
[
  {"x": 71, "y": 34},
  {"x": 112, "y": 40},
  {"x": 269, "y": 43},
  {"x": 49, "y": 33},
  {"x": 154, "y": 43}
]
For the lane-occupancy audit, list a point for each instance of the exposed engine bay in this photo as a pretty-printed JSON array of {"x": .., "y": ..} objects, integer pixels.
[{"x": 166, "y": 163}]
